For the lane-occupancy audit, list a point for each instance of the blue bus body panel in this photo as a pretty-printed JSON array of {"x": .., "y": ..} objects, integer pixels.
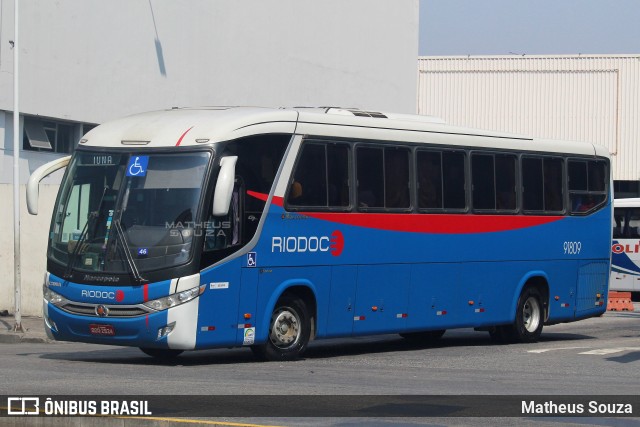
[
  {"x": 141, "y": 331},
  {"x": 371, "y": 274},
  {"x": 218, "y": 317},
  {"x": 384, "y": 279},
  {"x": 341, "y": 311},
  {"x": 137, "y": 332}
]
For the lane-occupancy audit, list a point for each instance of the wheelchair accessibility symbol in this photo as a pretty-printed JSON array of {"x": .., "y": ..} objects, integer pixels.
[
  {"x": 252, "y": 259},
  {"x": 138, "y": 166}
]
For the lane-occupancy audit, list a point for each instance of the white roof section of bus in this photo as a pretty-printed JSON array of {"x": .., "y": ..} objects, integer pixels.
[
  {"x": 427, "y": 129},
  {"x": 198, "y": 126},
  {"x": 190, "y": 127}
]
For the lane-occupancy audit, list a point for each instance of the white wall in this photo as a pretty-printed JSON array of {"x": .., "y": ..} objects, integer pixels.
[
  {"x": 33, "y": 243},
  {"x": 92, "y": 61},
  {"x": 593, "y": 98}
]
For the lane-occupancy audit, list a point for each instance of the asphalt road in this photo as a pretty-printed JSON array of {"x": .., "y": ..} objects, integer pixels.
[{"x": 599, "y": 356}]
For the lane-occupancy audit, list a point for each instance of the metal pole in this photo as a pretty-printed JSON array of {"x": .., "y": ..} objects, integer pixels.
[{"x": 16, "y": 177}]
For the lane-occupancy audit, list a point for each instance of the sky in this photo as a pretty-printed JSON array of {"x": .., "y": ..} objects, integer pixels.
[{"x": 529, "y": 27}]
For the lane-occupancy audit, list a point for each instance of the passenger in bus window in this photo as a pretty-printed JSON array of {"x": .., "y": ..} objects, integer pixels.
[
  {"x": 295, "y": 191},
  {"x": 366, "y": 198},
  {"x": 583, "y": 203}
]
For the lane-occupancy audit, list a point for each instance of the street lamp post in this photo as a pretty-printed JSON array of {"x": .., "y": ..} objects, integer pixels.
[{"x": 16, "y": 179}]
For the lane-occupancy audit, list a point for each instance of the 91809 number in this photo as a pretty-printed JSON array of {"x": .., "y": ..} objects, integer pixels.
[{"x": 572, "y": 248}]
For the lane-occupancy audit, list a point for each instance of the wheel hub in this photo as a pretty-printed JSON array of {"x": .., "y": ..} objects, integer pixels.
[
  {"x": 531, "y": 314},
  {"x": 285, "y": 331}
]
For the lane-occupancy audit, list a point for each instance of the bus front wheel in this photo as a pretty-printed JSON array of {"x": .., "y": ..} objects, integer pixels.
[{"x": 289, "y": 331}]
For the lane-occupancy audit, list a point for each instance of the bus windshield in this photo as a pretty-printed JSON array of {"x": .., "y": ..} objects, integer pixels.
[{"x": 111, "y": 203}]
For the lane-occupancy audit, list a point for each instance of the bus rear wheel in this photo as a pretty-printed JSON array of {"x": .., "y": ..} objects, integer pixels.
[
  {"x": 527, "y": 327},
  {"x": 161, "y": 353},
  {"x": 289, "y": 331}
]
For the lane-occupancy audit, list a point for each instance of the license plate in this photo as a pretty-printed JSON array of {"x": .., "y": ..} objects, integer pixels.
[{"x": 102, "y": 330}]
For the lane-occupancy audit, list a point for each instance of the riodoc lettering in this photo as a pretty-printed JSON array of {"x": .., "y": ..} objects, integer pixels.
[
  {"x": 311, "y": 244},
  {"x": 99, "y": 294},
  {"x": 300, "y": 244}
]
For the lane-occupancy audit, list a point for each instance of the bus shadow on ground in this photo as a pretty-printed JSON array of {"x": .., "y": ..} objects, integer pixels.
[
  {"x": 317, "y": 350},
  {"x": 395, "y": 343},
  {"x": 133, "y": 356},
  {"x": 630, "y": 357},
  {"x": 564, "y": 336}
]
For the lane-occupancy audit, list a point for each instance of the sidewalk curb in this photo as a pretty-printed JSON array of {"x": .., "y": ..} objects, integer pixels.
[
  {"x": 33, "y": 327},
  {"x": 19, "y": 337}
]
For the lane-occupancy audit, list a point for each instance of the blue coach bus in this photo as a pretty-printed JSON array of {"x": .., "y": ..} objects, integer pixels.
[{"x": 192, "y": 229}]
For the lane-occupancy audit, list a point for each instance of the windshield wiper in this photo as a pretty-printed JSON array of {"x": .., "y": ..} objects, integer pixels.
[
  {"x": 127, "y": 253},
  {"x": 76, "y": 250},
  {"x": 83, "y": 235}
]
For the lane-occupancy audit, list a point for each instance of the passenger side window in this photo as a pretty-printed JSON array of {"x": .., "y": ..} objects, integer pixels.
[
  {"x": 441, "y": 180},
  {"x": 370, "y": 177},
  {"x": 396, "y": 178},
  {"x": 587, "y": 185},
  {"x": 259, "y": 157},
  {"x": 321, "y": 177},
  {"x": 542, "y": 184},
  {"x": 383, "y": 178},
  {"x": 493, "y": 178},
  {"x": 506, "y": 195}
]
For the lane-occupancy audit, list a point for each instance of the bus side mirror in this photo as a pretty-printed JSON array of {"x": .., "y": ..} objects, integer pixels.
[
  {"x": 224, "y": 186},
  {"x": 37, "y": 176}
]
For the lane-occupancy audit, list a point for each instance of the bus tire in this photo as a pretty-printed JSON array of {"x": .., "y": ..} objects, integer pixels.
[
  {"x": 529, "y": 317},
  {"x": 161, "y": 353},
  {"x": 289, "y": 331},
  {"x": 423, "y": 335}
]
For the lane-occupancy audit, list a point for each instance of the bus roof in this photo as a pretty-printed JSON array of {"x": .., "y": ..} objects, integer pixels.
[{"x": 199, "y": 126}]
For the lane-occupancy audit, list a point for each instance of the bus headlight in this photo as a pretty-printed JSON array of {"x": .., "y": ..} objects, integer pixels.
[
  {"x": 53, "y": 297},
  {"x": 175, "y": 299}
]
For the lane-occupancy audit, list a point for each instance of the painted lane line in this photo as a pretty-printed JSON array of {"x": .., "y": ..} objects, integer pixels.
[
  {"x": 604, "y": 351},
  {"x": 193, "y": 421},
  {"x": 544, "y": 350}
]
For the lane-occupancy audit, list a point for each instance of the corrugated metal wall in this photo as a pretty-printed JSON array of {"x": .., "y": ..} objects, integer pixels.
[{"x": 586, "y": 98}]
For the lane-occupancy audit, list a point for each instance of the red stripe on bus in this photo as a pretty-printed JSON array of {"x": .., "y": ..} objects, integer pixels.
[
  {"x": 435, "y": 223},
  {"x": 425, "y": 223},
  {"x": 264, "y": 197},
  {"x": 145, "y": 292},
  {"x": 183, "y": 135}
]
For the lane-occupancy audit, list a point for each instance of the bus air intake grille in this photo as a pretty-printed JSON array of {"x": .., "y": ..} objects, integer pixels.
[{"x": 113, "y": 310}]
